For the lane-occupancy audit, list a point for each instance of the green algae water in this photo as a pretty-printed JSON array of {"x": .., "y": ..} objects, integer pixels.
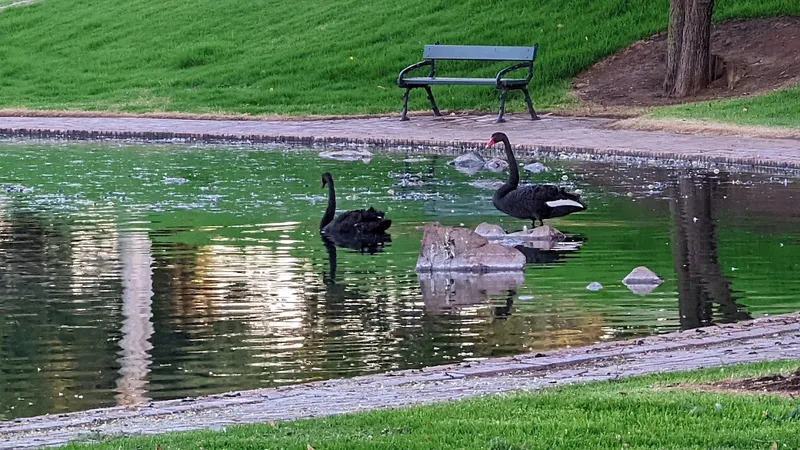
[{"x": 136, "y": 273}]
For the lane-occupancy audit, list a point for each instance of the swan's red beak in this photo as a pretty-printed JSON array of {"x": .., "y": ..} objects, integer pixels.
[
  {"x": 323, "y": 183},
  {"x": 491, "y": 142}
]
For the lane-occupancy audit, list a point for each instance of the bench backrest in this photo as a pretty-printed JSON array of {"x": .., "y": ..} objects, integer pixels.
[{"x": 479, "y": 52}]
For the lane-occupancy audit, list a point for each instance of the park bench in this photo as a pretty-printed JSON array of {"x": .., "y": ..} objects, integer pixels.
[{"x": 524, "y": 56}]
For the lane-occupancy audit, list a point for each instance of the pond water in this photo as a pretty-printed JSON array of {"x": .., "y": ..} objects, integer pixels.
[{"x": 132, "y": 273}]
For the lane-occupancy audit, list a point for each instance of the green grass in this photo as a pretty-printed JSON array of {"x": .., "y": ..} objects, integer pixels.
[
  {"x": 777, "y": 109},
  {"x": 316, "y": 56},
  {"x": 612, "y": 415}
]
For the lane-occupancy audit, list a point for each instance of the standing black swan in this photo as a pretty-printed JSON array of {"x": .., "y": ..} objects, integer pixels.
[
  {"x": 357, "y": 225},
  {"x": 534, "y": 202}
]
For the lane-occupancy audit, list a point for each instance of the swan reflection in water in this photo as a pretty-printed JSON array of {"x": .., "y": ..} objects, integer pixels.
[
  {"x": 448, "y": 291},
  {"x": 444, "y": 292}
]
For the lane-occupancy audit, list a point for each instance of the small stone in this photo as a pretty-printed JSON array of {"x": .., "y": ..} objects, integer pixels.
[
  {"x": 347, "y": 155},
  {"x": 496, "y": 165},
  {"x": 488, "y": 229},
  {"x": 594, "y": 286},
  {"x": 471, "y": 159},
  {"x": 642, "y": 275},
  {"x": 564, "y": 177},
  {"x": 535, "y": 168},
  {"x": 543, "y": 233}
]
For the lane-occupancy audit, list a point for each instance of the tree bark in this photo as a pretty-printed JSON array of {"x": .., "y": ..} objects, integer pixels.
[{"x": 688, "y": 47}]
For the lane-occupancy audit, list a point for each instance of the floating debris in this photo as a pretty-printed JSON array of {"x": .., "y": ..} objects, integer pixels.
[{"x": 175, "y": 180}]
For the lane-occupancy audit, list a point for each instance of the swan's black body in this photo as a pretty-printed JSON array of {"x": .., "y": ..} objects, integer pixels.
[
  {"x": 533, "y": 202},
  {"x": 361, "y": 225}
]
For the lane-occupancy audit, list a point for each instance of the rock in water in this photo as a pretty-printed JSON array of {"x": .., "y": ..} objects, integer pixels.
[
  {"x": 489, "y": 229},
  {"x": 642, "y": 275},
  {"x": 471, "y": 159},
  {"x": 347, "y": 155},
  {"x": 492, "y": 185},
  {"x": 536, "y": 168},
  {"x": 462, "y": 250},
  {"x": 642, "y": 281},
  {"x": 496, "y": 165},
  {"x": 542, "y": 233},
  {"x": 594, "y": 286}
]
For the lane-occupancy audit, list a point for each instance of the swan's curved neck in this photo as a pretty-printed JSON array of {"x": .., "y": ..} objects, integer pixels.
[
  {"x": 330, "y": 212},
  {"x": 513, "y": 171}
]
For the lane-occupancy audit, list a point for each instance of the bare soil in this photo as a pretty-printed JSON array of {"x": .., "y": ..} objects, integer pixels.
[
  {"x": 760, "y": 54},
  {"x": 777, "y": 383}
]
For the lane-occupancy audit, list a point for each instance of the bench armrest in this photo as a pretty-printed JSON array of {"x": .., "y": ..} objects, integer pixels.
[
  {"x": 405, "y": 71},
  {"x": 528, "y": 64}
]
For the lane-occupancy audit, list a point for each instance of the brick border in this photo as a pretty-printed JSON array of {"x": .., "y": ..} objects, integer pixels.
[{"x": 452, "y": 147}]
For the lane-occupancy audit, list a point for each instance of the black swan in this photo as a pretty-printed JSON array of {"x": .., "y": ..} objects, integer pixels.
[
  {"x": 357, "y": 225},
  {"x": 533, "y": 202}
]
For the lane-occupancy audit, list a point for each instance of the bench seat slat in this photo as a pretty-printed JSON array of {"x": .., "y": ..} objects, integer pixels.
[
  {"x": 479, "y": 53},
  {"x": 462, "y": 81}
]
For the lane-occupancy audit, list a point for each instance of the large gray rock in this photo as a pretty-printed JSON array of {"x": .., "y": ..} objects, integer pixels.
[
  {"x": 461, "y": 250},
  {"x": 447, "y": 291}
]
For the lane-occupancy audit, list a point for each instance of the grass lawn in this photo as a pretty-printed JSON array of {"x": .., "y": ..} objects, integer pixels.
[
  {"x": 635, "y": 413},
  {"x": 777, "y": 109},
  {"x": 311, "y": 57}
]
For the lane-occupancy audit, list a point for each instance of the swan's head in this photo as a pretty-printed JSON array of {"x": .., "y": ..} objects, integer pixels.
[
  {"x": 497, "y": 137},
  {"x": 327, "y": 178}
]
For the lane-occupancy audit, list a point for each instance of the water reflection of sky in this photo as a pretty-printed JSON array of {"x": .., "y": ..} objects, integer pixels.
[{"x": 139, "y": 275}]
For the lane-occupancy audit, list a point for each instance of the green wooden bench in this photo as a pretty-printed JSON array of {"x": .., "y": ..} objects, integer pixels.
[{"x": 524, "y": 56}]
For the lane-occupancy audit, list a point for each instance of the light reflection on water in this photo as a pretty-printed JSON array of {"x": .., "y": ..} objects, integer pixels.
[{"x": 133, "y": 273}]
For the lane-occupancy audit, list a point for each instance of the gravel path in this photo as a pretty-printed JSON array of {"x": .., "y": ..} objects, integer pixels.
[
  {"x": 774, "y": 338},
  {"x": 551, "y": 134}
]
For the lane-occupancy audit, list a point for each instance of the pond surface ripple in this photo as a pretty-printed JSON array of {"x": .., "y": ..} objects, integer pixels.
[{"x": 134, "y": 273}]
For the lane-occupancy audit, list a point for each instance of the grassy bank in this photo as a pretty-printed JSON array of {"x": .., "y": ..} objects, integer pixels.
[
  {"x": 636, "y": 413},
  {"x": 777, "y": 109},
  {"x": 313, "y": 57}
]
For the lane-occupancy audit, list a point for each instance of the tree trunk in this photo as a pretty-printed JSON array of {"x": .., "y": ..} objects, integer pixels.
[{"x": 688, "y": 47}]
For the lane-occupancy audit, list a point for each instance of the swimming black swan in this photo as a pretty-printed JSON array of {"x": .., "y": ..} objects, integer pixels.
[
  {"x": 534, "y": 202},
  {"x": 360, "y": 224}
]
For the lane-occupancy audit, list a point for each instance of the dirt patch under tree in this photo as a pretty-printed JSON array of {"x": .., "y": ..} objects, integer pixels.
[
  {"x": 777, "y": 383},
  {"x": 757, "y": 55}
]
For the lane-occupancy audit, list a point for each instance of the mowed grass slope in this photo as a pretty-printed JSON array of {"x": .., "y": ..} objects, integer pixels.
[
  {"x": 310, "y": 57},
  {"x": 776, "y": 109},
  {"x": 637, "y": 413}
]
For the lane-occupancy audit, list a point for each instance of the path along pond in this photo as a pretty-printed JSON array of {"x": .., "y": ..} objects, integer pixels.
[{"x": 134, "y": 272}]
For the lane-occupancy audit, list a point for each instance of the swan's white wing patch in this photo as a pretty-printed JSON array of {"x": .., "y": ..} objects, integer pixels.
[{"x": 557, "y": 203}]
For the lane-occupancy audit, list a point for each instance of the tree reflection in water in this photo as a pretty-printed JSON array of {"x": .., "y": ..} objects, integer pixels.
[{"x": 701, "y": 284}]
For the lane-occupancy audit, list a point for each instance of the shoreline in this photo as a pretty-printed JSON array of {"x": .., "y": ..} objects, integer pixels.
[
  {"x": 551, "y": 135},
  {"x": 764, "y": 339}
]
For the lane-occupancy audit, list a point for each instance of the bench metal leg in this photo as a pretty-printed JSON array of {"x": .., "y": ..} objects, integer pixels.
[
  {"x": 502, "y": 106},
  {"x": 404, "y": 116},
  {"x": 433, "y": 102},
  {"x": 530, "y": 104}
]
